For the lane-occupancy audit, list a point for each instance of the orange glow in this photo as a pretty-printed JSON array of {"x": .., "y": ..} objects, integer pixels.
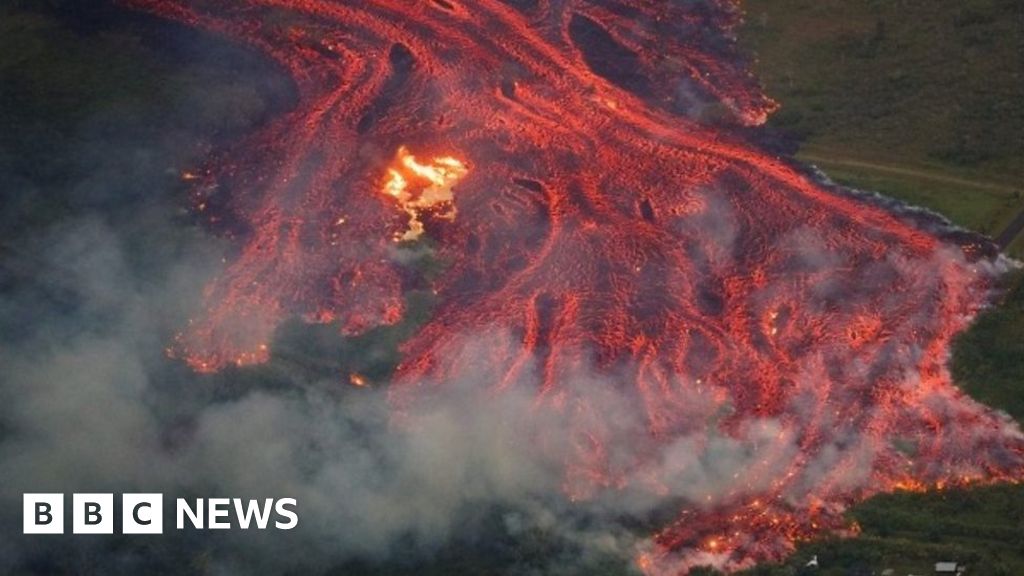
[{"x": 420, "y": 188}]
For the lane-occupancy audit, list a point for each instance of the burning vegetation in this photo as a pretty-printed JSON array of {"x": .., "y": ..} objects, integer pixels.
[{"x": 610, "y": 237}]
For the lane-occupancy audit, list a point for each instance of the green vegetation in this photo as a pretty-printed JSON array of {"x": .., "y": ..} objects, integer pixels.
[
  {"x": 922, "y": 100},
  {"x": 988, "y": 360}
]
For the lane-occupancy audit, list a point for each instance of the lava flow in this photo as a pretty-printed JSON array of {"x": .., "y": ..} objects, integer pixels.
[{"x": 579, "y": 169}]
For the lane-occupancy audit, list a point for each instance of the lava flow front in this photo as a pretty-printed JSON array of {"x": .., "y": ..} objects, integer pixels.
[{"x": 614, "y": 231}]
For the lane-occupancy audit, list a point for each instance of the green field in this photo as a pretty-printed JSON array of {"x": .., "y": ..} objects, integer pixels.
[
  {"x": 988, "y": 360},
  {"x": 922, "y": 100}
]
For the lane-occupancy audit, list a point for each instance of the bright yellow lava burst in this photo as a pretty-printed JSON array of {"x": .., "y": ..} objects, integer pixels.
[{"x": 423, "y": 187}]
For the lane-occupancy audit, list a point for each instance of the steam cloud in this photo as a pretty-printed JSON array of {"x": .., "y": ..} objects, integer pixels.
[{"x": 91, "y": 404}]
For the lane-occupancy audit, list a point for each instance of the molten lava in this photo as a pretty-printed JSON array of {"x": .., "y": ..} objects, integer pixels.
[
  {"x": 420, "y": 188},
  {"x": 614, "y": 234}
]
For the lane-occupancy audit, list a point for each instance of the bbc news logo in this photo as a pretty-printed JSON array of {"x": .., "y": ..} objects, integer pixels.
[{"x": 144, "y": 513}]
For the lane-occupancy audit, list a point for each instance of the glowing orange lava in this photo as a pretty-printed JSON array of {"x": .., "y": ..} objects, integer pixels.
[
  {"x": 420, "y": 188},
  {"x": 616, "y": 232}
]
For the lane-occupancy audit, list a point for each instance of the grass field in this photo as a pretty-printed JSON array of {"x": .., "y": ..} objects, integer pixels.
[
  {"x": 988, "y": 360},
  {"x": 922, "y": 100},
  {"x": 982, "y": 206}
]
